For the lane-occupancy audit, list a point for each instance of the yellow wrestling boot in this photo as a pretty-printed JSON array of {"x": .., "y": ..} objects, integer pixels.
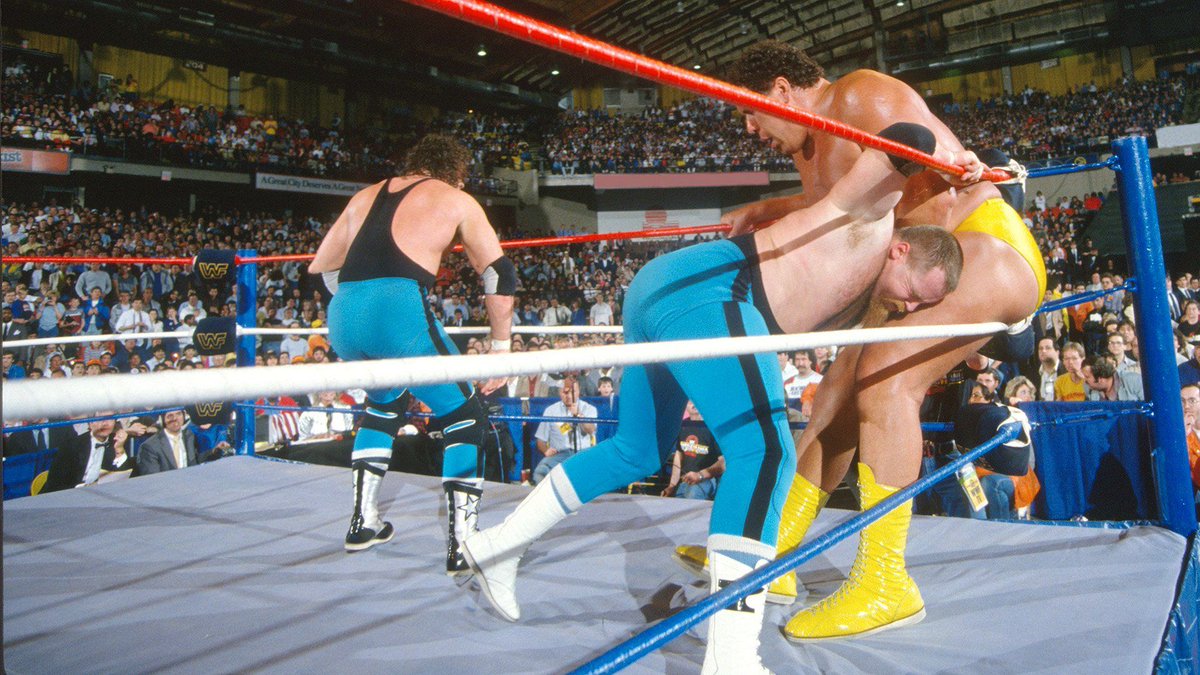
[
  {"x": 804, "y": 502},
  {"x": 879, "y": 594}
]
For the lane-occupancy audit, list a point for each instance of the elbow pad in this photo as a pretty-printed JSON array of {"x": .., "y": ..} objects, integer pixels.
[
  {"x": 500, "y": 277},
  {"x": 915, "y": 136}
]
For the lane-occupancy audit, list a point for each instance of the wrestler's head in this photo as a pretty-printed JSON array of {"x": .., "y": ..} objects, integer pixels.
[
  {"x": 778, "y": 71},
  {"x": 923, "y": 266},
  {"x": 440, "y": 157}
]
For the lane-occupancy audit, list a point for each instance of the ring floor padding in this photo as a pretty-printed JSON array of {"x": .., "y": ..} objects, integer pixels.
[{"x": 237, "y": 566}]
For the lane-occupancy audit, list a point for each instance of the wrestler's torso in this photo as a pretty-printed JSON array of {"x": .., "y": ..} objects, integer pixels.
[
  {"x": 821, "y": 279},
  {"x": 423, "y": 224}
]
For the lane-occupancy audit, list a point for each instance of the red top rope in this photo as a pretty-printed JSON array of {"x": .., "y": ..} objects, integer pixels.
[
  {"x": 543, "y": 34},
  {"x": 301, "y": 257}
]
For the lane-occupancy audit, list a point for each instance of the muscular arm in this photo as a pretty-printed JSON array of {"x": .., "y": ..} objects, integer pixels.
[
  {"x": 866, "y": 194},
  {"x": 331, "y": 254},
  {"x": 482, "y": 247}
]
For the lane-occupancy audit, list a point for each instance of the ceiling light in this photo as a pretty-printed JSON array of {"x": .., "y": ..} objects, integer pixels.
[
  {"x": 554, "y": 72},
  {"x": 482, "y": 51},
  {"x": 696, "y": 67}
]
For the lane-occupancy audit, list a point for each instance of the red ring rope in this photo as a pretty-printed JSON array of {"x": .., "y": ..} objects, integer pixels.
[
  {"x": 547, "y": 35},
  {"x": 301, "y": 257}
]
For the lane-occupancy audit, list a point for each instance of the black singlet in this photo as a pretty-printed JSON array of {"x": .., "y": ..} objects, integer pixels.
[{"x": 373, "y": 254}]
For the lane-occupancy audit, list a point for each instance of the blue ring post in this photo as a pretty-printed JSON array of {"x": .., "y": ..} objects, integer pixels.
[
  {"x": 247, "y": 303},
  {"x": 1160, "y": 376}
]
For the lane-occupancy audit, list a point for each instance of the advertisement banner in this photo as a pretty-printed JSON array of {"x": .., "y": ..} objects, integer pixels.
[
  {"x": 655, "y": 219},
  {"x": 322, "y": 186},
  {"x": 659, "y": 181},
  {"x": 35, "y": 161}
]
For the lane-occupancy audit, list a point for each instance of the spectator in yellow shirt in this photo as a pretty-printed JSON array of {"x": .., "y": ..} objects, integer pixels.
[{"x": 1070, "y": 386}]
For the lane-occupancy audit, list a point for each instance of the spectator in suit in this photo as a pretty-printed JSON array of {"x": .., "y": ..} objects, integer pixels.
[
  {"x": 173, "y": 447},
  {"x": 102, "y": 450},
  {"x": 15, "y": 331},
  {"x": 1047, "y": 370},
  {"x": 1174, "y": 300},
  {"x": 36, "y": 440}
]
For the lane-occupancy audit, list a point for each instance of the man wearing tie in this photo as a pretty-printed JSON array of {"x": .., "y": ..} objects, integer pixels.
[
  {"x": 89, "y": 456},
  {"x": 1174, "y": 300},
  {"x": 36, "y": 440},
  {"x": 173, "y": 447}
]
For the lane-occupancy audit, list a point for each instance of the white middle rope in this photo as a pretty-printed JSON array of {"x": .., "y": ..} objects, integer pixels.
[{"x": 26, "y": 399}]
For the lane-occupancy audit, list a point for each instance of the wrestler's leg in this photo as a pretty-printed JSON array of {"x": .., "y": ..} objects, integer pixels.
[
  {"x": 648, "y": 425},
  {"x": 461, "y": 425},
  {"x": 826, "y": 447},
  {"x": 892, "y": 380},
  {"x": 742, "y": 400}
]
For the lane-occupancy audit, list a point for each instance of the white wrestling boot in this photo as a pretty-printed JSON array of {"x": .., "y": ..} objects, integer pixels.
[
  {"x": 494, "y": 553},
  {"x": 462, "y": 506},
  {"x": 366, "y": 528},
  {"x": 733, "y": 632}
]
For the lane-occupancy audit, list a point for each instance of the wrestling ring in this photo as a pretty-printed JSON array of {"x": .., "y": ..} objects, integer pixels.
[{"x": 236, "y": 565}]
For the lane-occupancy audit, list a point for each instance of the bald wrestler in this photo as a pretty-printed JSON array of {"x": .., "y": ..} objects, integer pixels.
[
  {"x": 871, "y": 396},
  {"x": 756, "y": 284},
  {"x": 379, "y": 259}
]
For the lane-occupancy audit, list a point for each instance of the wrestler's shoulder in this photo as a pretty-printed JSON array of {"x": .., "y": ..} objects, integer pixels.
[{"x": 865, "y": 81}]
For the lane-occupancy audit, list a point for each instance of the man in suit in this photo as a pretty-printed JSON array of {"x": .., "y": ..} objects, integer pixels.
[
  {"x": 173, "y": 447},
  {"x": 1175, "y": 298},
  {"x": 36, "y": 440},
  {"x": 1046, "y": 370},
  {"x": 88, "y": 456},
  {"x": 13, "y": 330}
]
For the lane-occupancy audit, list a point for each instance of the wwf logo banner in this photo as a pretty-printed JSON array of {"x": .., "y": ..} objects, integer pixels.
[
  {"x": 210, "y": 413},
  {"x": 216, "y": 267},
  {"x": 215, "y": 335}
]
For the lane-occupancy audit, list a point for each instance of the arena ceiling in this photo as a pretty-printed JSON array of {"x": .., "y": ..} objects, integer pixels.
[{"x": 389, "y": 44}]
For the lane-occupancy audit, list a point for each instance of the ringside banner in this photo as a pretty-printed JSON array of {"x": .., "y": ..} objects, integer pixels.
[
  {"x": 324, "y": 186},
  {"x": 35, "y": 161}
]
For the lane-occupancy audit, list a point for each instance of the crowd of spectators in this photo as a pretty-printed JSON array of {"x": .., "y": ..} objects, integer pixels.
[
  {"x": 43, "y": 108},
  {"x": 1033, "y": 125},
  {"x": 1089, "y": 352},
  {"x": 695, "y": 136}
]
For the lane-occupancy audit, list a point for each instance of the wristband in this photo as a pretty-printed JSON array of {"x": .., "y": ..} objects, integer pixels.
[{"x": 502, "y": 345}]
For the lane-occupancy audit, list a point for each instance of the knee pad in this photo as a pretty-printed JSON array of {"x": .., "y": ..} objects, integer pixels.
[
  {"x": 387, "y": 417},
  {"x": 978, "y": 423},
  {"x": 467, "y": 424}
]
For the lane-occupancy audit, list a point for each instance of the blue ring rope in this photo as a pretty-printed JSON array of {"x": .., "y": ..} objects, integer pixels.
[
  {"x": 96, "y": 418},
  {"x": 1079, "y": 298},
  {"x": 1110, "y": 163},
  {"x": 668, "y": 629},
  {"x": 927, "y": 426}
]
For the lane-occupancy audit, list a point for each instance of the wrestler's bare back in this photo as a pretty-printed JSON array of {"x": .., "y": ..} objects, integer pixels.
[
  {"x": 423, "y": 227},
  {"x": 827, "y": 284}
]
